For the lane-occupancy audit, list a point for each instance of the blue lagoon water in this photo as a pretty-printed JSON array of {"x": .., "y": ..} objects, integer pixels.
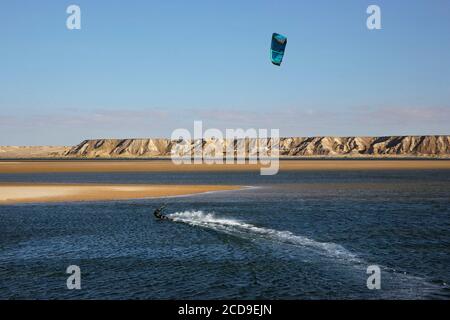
[{"x": 296, "y": 235}]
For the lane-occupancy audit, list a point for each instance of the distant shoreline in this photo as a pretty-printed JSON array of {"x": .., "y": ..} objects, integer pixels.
[
  {"x": 93, "y": 166},
  {"x": 329, "y": 147},
  {"x": 290, "y": 158}
]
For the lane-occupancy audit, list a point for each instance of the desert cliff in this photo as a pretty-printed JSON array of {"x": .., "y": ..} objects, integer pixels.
[
  {"x": 295, "y": 147},
  {"x": 392, "y": 146}
]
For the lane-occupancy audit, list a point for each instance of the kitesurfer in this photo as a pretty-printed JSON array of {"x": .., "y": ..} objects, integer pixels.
[{"x": 157, "y": 213}]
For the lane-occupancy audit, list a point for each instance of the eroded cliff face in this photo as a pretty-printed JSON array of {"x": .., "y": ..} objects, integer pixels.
[
  {"x": 391, "y": 146},
  {"x": 126, "y": 148}
]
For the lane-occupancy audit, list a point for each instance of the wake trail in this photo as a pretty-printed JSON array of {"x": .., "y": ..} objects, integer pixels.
[
  {"x": 247, "y": 230},
  {"x": 328, "y": 250}
]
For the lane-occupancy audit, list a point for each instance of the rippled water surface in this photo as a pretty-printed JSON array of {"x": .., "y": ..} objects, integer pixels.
[{"x": 296, "y": 235}]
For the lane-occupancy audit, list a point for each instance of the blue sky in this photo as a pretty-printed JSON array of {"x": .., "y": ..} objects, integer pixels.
[{"x": 145, "y": 68}]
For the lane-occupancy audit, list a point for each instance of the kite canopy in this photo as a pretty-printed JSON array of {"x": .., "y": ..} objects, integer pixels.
[{"x": 277, "y": 48}]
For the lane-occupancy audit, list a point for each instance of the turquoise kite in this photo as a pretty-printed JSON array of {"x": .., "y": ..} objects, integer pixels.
[{"x": 277, "y": 48}]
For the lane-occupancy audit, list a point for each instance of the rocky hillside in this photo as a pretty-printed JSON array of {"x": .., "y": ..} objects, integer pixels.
[{"x": 391, "y": 146}]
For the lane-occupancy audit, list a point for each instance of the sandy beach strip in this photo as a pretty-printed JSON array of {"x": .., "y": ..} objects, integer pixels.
[
  {"x": 11, "y": 193},
  {"x": 169, "y": 166}
]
